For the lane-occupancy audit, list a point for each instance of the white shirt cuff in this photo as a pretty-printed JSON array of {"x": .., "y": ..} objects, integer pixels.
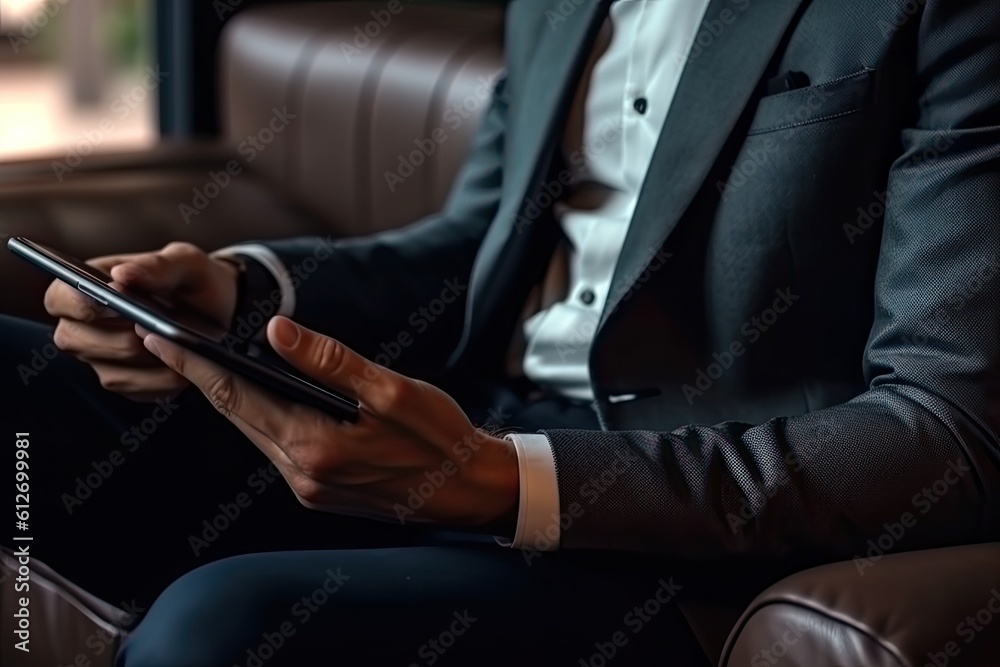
[
  {"x": 266, "y": 256},
  {"x": 538, "y": 508}
]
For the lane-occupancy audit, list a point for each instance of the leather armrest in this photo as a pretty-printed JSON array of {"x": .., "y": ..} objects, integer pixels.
[
  {"x": 18, "y": 174},
  {"x": 936, "y": 607}
]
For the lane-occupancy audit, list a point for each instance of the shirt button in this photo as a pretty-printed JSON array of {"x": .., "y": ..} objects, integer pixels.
[
  {"x": 587, "y": 296},
  {"x": 640, "y": 105}
]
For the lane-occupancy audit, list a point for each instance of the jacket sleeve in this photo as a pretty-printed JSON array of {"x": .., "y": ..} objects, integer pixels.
[
  {"x": 371, "y": 291},
  {"x": 910, "y": 463}
]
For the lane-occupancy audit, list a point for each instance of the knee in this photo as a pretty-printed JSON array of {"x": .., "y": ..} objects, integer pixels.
[{"x": 207, "y": 617}]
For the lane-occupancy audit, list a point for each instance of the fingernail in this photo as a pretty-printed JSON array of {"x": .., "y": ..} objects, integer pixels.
[
  {"x": 151, "y": 345},
  {"x": 285, "y": 332}
]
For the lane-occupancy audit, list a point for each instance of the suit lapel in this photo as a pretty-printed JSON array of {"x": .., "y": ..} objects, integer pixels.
[
  {"x": 714, "y": 89},
  {"x": 551, "y": 82},
  {"x": 533, "y": 132}
]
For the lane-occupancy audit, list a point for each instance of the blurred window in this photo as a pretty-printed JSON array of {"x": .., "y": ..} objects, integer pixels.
[{"x": 76, "y": 78}]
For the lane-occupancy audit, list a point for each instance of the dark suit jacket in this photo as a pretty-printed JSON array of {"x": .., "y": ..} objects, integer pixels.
[{"x": 807, "y": 306}]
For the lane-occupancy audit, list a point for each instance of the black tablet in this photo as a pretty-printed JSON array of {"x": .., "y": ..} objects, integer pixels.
[{"x": 188, "y": 328}]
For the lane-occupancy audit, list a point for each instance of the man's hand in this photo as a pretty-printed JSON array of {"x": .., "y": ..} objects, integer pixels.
[
  {"x": 411, "y": 441},
  {"x": 180, "y": 272}
]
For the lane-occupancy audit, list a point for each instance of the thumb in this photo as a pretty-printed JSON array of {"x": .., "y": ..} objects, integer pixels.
[
  {"x": 333, "y": 363},
  {"x": 157, "y": 272}
]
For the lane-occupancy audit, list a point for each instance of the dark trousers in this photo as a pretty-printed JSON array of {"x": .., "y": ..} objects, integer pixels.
[{"x": 168, "y": 502}]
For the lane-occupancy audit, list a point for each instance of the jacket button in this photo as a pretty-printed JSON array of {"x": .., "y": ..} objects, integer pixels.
[
  {"x": 640, "y": 105},
  {"x": 587, "y": 296}
]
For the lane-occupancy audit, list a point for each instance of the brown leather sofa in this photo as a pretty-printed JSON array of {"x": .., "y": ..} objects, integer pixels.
[{"x": 323, "y": 173}]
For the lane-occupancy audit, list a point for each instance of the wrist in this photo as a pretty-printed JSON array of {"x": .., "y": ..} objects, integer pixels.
[
  {"x": 257, "y": 295},
  {"x": 500, "y": 479}
]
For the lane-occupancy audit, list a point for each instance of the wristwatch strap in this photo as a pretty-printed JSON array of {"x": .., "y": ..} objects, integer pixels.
[{"x": 258, "y": 297}]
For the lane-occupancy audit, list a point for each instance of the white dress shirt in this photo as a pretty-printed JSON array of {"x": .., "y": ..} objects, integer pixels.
[
  {"x": 632, "y": 75},
  {"x": 612, "y": 130}
]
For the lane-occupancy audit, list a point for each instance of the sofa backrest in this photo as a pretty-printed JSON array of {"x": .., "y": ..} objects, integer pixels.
[{"x": 368, "y": 107}]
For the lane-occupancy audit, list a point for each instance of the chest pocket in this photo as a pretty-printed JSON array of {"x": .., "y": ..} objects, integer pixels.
[{"x": 814, "y": 104}]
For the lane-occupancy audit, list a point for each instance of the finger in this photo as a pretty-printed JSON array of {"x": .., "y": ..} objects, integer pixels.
[
  {"x": 139, "y": 385},
  {"x": 269, "y": 422},
  {"x": 334, "y": 364},
  {"x": 64, "y": 301},
  {"x": 408, "y": 404},
  {"x": 281, "y": 429},
  {"x": 162, "y": 271},
  {"x": 237, "y": 399},
  {"x": 114, "y": 341},
  {"x": 106, "y": 262}
]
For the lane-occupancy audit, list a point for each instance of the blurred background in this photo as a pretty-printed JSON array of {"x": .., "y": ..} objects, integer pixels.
[
  {"x": 129, "y": 124},
  {"x": 69, "y": 68},
  {"x": 75, "y": 71}
]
